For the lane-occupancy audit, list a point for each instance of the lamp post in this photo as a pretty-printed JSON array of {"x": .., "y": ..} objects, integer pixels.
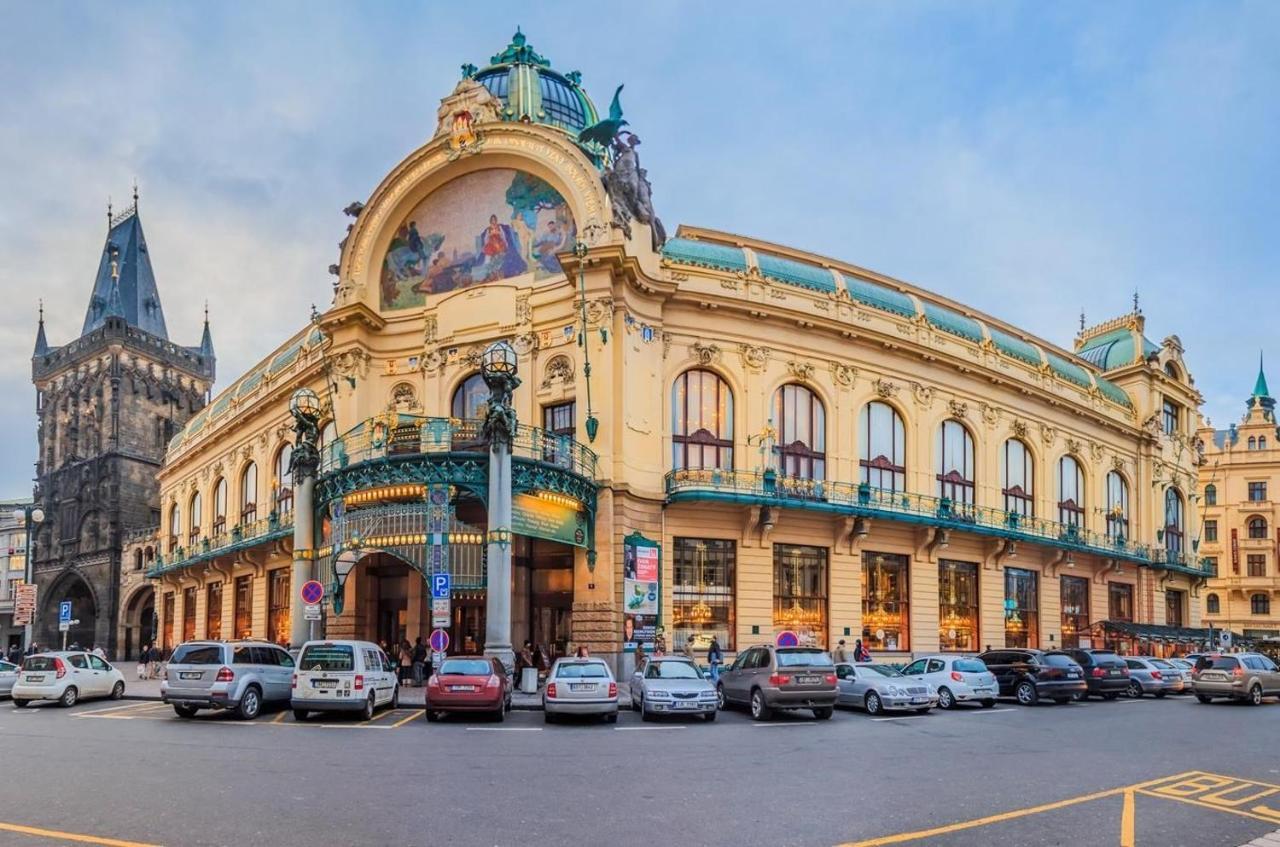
[
  {"x": 498, "y": 368},
  {"x": 28, "y": 516},
  {"x": 305, "y": 407}
]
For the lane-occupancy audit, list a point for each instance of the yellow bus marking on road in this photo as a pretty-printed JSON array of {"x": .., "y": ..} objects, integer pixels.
[
  {"x": 404, "y": 721},
  {"x": 1126, "y": 821},
  {"x": 37, "y": 832}
]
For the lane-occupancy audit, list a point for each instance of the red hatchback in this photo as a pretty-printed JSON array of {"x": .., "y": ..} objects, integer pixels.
[{"x": 469, "y": 684}]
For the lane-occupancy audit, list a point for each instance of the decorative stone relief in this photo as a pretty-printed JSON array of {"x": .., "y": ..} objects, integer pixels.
[
  {"x": 1048, "y": 434},
  {"x": 352, "y": 363},
  {"x": 525, "y": 343},
  {"x": 802, "y": 371},
  {"x": 885, "y": 388},
  {"x": 844, "y": 375},
  {"x": 754, "y": 357},
  {"x": 559, "y": 369},
  {"x": 432, "y": 361},
  {"x": 1020, "y": 429},
  {"x": 404, "y": 398},
  {"x": 704, "y": 354},
  {"x": 1117, "y": 462},
  {"x": 923, "y": 394},
  {"x": 524, "y": 309},
  {"x": 990, "y": 414},
  {"x": 667, "y": 338},
  {"x": 958, "y": 409},
  {"x": 1074, "y": 446},
  {"x": 1095, "y": 452},
  {"x": 472, "y": 357},
  {"x": 429, "y": 329},
  {"x": 599, "y": 311}
]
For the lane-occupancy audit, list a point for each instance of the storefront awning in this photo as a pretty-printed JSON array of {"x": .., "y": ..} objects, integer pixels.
[{"x": 1159, "y": 632}]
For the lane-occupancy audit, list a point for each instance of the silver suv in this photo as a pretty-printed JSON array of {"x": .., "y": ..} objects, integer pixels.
[
  {"x": 766, "y": 678},
  {"x": 239, "y": 676}
]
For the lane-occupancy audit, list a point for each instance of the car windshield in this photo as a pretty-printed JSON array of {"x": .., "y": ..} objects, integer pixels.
[
  {"x": 1161, "y": 663},
  {"x": 587, "y": 670},
  {"x": 197, "y": 654},
  {"x": 38, "y": 663},
  {"x": 1182, "y": 663},
  {"x": 1217, "y": 663},
  {"x": 1059, "y": 660},
  {"x": 799, "y": 656},
  {"x": 883, "y": 670},
  {"x": 970, "y": 665},
  {"x": 671, "y": 670},
  {"x": 328, "y": 657},
  {"x": 465, "y": 667}
]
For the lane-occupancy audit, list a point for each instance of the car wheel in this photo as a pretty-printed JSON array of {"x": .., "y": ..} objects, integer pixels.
[
  {"x": 987, "y": 704},
  {"x": 721, "y": 703},
  {"x": 612, "y": 717},
  {"x": 1134, "y": 690},
  {"x": 20, "y": 704},
  {"x": 824, "y": 713},
  {"x": 1204, "y": 698},
  {"x": 117, "y": 691},
  {"x": 709, "y": 717},
  {"x": 432, "y": 715},
  {"x": 501, "y": 714},
  {"x": 644, "y": 712},
  {"x": 366, "y": 714},
  {"x": 945, "y": 698},
  {"x": 250, "y": 704},
  {"x": 1026, "y": 693},
  {"x": 395, "y": 698},
  {"x": 873, "y": 704},
  {"x": 300, "y": 715},
  {"x": 1080, "y": 696},
  {"x": 759, "y": 710},
  {"x": 1111, "y": 695},
  {"x": 184, "y": 711},
  {"x": 547, "y": 717},
  {"x": 1255, "y": 695},
  {"x": 69, "y": 697}
]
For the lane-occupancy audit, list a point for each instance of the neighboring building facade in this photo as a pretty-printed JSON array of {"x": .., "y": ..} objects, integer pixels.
[
  {"x": 13, "y": 564},
  {"x": 107, "y": 404},
  {"x": 816, "y": 448},
  {"x": 1240, "y": 481}
]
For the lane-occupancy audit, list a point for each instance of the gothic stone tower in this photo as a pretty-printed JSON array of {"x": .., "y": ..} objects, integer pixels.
[{"x": 107, "y": 405}]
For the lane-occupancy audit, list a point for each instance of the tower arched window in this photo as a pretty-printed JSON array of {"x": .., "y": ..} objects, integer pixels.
[
  {"x": 283, "y": 481},
  {"x": 220, "y": 506},
  {"x": 802, "y": 432},
  {"x": 193, "y": 519},
  {"x": 1173, "y": 520},
  {"x": 1262, "y": 442},
  {"x": 1019, "y": 473},
  {"x": 1257, "y": 527},
  {"x": 249, "y": 494},
  {"x": 1070, "y": 492},
  {"x": 701, "y": 421},
  {"x": 883, "y": 459},
  {"x": 1260, "y": 604},
  {"x": 1117, "y": 506},
  {"x": 1211, "y": 495},
  {"x": 175, "y": 526},
  {"x": 470, "y": 398},
  {"x": 1253, "y": 443},
  {"x": 1212, "y": 605},
  {"x": 954, "y": 449}
]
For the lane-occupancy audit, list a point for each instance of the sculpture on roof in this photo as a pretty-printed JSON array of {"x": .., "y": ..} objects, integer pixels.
[
  {"x": 605, "y": 131},
  {"x": 461, "y": 112},
  {"x": 629, "y": 190}
]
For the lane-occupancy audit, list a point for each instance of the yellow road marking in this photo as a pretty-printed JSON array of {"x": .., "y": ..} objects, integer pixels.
[
  {"x": 404, "y": 721},
  {"x": 1126, "y": 821},
  {"x": 70, "y": 836},
  {"x": 1259, "y": 813},
  {"x": 278, "y": 718}
]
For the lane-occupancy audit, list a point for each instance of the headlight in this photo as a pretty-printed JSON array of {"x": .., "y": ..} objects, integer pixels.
[
  {"x": 893, "y": 691},
  {"x": 658, "y": 695}
]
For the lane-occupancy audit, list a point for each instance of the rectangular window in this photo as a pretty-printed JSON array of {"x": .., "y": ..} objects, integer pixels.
[
  {"x": 1210, "y": 531},
  {"x": 167, "y": 623},
  {"x": 244, "y": 607},
  {"x": 188, "y": 613},
  {"x": 885, "y": 578},
  {"x": 278, "y": 606},
  {"x": 1021, "y": 608},
  {"x": 1257, "y": 564},
  {"x": 800, "y": 592},
  {"x": 958, "y": 606},
  {"x": 1174, "y": 603},
  {"x": 1211, "y": 562},
  {"x": 702, "y": 592},
  {"x": 559, "y": 423},
  {"x": 13, "y": 588},
  {"x": 213, "y": 612},
  {"x": 1075, "y": 610},
  {"x": 1170, "y": 417},
  {"x": 1120, "y": 601},
  {"x": 18, "y": 562},
  {"x": 1257, "y": 491}
]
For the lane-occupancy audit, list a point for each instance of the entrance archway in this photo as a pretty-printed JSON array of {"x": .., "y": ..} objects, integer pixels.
[
  {"x": 84, "y": 609},
  {"x": 137, "y": 623}
]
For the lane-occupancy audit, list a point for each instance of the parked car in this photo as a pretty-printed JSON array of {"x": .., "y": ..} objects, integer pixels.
[
  {"x": 766, "y": 678},
  {"x": 580, "y": 687},
  {"x": 1104, "y": 670},
  {"x": 672, "y": 685},
  {"x": 67, "y": 677},
  {"x": 1153, "y": 676},
  {"x": 957, "y": 679},
  {"x": 1184, "y": 667},
  {"x": 236, "y": 676},
  {"x": 1029, "y": 675},
  {"x": 469, "y": 684},
  {"x": 343, "y": 676},
  {"x": 8, "y": 676},
  {"x": 878, "y": 688},
  {"x": 1238, "y": 676}
]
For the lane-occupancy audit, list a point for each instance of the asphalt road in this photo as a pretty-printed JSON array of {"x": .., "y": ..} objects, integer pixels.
[{"x": 134, "y": 773}]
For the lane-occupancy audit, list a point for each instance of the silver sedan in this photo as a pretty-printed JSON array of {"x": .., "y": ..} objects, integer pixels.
[
  {"x": 672, "y": 685},
  {"x": 580, "y": 687},
  {"x": 8, "y": 676},
  {"x": 877, "y": 688}
]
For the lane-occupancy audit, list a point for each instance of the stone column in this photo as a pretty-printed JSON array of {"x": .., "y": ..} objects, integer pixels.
[
  {"x": 303, "y": 464},
  {"x": 498, "y": 366}
]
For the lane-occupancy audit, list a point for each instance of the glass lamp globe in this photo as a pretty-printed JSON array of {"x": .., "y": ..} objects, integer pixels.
[
  {"x": 305, "y": 403},
  {"x": 498, "y": 358}
]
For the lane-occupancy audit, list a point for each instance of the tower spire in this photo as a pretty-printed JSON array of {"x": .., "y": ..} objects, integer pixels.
[
  {"x": 42, "y": 343},
  {"x": 206, "y": 340},
  {"x": 1260, "y": 385}
]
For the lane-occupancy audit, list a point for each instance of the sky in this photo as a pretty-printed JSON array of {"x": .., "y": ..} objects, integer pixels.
[{"x": 1031, "y": 160}]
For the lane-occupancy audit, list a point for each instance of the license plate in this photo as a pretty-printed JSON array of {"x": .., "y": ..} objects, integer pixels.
[
  {"x": 582, "y": 686},
  {"x": 981, "y": 690},
  {"x": 1073, "y": 674},
  {"x": 190, "y": 675},
  {"x": 808, "y": 680},
  {"x": 462, "y": 688},
  {"x": 39, "y": 678},
  {"x": 1113, "y": 672},
  {"x": 689, "y": 705},
  {"x": 323, "y": 683},
  {"x": 915, "y": 700}
]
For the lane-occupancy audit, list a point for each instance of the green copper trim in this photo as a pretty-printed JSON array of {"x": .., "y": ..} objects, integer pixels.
[
  {"x": 879, "y": 296},
  {"x": 704, "y": 254},
  {"x": 1012, "y": 346},
  {"x": 791, "y": 272},
  {"x": 1068, "y": 370},
  {"x": 950, "y": 321}
]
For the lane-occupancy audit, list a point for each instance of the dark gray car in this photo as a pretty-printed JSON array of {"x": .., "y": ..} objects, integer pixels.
[
  {"x": 766, "y": 678},
  {"x": 238, "y": 676}
]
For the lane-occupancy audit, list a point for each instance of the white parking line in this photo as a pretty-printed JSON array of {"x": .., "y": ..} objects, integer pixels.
[
  {"x": 114, "y": 709},
  {"x": 994, "y": 711},
  {"x": 793, "y": 723},
  {"x": 639, "y": 728},
  {"x": 504, "y": 729},
  {"x": 903, "y": 718}
]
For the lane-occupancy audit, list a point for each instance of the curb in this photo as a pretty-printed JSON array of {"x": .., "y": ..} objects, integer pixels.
[{"x": 515, "y": 707}]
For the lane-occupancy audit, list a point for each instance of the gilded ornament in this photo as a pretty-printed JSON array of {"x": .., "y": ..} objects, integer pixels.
[
  {"x": 802, "y": 371},
  {"x": 844, "y": 375},
  {"x": 754, "y": 357},
  {"x": 885, "y": 388},
  {"x": 704, "y": 354}
]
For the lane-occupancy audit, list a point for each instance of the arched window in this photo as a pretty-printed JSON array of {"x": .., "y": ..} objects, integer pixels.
[
  {"x": 328, "y": 446},
  {"x": 1173, "y": 520},
  {"x": 1070, "y": 492},
  {"x": 1117, "y": 506},
  {"x": 1253, "y": 443},
  {"x": 1257, "y": 527},
  {"x": 1211, "y": 605},
  {"x": 884, "y": 448},
  {"x": 220, "y": 506},
  {"x": 175, "y": 526},
  {"x": 283, "y": 481},
  {"x": 137, "y": 559},
  {"x": 802, "y": 432},
  {"x": 1211, "y": 495},
  {"x": 471, "y": 398},
  {"x": 954, "y": 447},
  {"x": 1260, "y": 604},
  {"x": 1019, "y": 479},
  {"x": 1171, "y": 370},
  {"x": 193, "y": 519},
  {"x": 249, "y": 494},
  {"x": 701, "y": 421},
  {"x": 1262, "y": 442}
]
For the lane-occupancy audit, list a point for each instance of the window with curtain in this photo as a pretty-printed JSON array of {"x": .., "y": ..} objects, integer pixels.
[
  {"x": 1257, "y": 527},
  {"x": 1256, "y": 564},
  {"x": 1212, "y": 605},
  {"x": 1211, "y": 495},
  {"x": 278, "y": 606},
  {"x": 1021, "y": 608},
  {"x": 802, "y": 432},
  {"x": 702, "y": 592},
  {"x": 958, "y": 606},
  {"x": 885, "y": 589},
  {"x": 471, "y": 398},
  {"x": 1211, "y": 531},
  {"x": 283, "y": 481},
  {"x": 1174, "y": 604},
  {"x": 800, "y": 592},
  {"x": 1169, "y": 417},
  {"x": 883, "y": 459},
  {"x": 954, "y": 449},
  {"x": 1120, "y": 601},
  {"x": 193, "y": 519},
  {"x": 701, "y": 422},
  {"x": 1075, "y": 610},
  {"x": 559, "y": 424},
  {"x": 249, "y": 494},
  {"x": 213, "y": 612},
  {"x": 1019, "y": 479},
  {"x": 1070, "y": 492},
  {"x": 175, "y": 526},
  {"x": 1260, "y": 604},
  {"x": 220, "y": 506},
  {"x": 1173, "y": 520},
  {"x": 1117, "y": 506}
]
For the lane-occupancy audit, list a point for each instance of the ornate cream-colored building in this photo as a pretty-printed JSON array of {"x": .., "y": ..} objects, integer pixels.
[
  {"x": 1240, "y": 473},
  {"x": 816, "y": 449}
]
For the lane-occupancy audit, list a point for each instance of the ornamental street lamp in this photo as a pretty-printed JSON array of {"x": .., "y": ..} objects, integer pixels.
[
  {"x": 498, "y": 368},
  {"x": 304, "y": 461},
  {"x": 28, "y": 516}
]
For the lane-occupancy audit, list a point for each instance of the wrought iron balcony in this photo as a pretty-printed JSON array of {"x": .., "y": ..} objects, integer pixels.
[
  {"x": 865, "y": 501},
  {"x": 241, "y": 537}
]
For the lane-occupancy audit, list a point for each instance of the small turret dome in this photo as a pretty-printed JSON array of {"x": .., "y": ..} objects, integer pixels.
[{"x": 531, "y": 91}]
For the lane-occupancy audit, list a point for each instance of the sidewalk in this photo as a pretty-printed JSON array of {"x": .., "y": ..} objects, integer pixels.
[{"x": 1270, "y": 840}]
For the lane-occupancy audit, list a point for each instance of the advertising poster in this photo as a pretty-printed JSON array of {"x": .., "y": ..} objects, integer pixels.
[{"x": 640, "y": 591}]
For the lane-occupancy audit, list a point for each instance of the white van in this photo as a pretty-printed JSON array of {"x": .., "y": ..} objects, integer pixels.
[{"x": 343, "y": 676}]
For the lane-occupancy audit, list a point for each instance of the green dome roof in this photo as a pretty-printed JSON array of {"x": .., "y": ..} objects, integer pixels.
[{"x": 530, "y": 91}]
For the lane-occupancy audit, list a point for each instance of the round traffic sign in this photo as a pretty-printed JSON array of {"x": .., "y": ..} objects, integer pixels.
[
  {"x": 312, "y": 592},
  {"x": 439, "y": 640},
  {"x": 787, "y": 638}
]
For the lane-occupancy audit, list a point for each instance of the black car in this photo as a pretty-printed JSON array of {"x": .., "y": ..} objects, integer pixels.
[
  {"x": 1029, "y": 675},
  {"x": 1106, "y": 672}
]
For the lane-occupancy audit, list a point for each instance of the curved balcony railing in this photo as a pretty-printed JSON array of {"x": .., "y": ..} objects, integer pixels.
[
  {"x": 866, "y": 501},
  {"x": 401, "y": 435},
  {"x": 239, "y": 537}
]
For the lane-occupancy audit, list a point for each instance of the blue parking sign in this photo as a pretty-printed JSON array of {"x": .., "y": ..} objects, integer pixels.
[
  {"x": 64, "y": 611},
  {"x": 441, "y": 586}
]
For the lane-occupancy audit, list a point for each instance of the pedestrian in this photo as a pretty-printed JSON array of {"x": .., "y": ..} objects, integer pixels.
[
  {"x": 524, "y": 659},
  {"x": 860, "y": 652},
  {"x": 540, "y": 661},
  {"x": 660, "y": 643},
  {"x": 640, "y": 657},
  {"x": 99, "y": 652},
  {"x": 143, "y": 655},
  {"x": 469, "y": 644},
  {"x": 687, "y": 650},
  {"x": 840, "y": 655},
  {"x": 406, "y": 661},
  {"x": 715, "y": 658},
  {"x": 419, "y": 660}
]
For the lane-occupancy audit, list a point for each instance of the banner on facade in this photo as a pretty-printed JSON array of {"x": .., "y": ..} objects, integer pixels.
[
  {"x": 1235, "y": 552},
  {"x": 538, "y": 518},
  {"x": 641, "y": 591}
]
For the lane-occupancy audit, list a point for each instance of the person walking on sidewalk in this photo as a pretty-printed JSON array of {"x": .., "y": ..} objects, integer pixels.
[
  {"x": 715, "y": 658},
  {"x": 419, "y": 660},
  {"x": 840, "y": 655}
]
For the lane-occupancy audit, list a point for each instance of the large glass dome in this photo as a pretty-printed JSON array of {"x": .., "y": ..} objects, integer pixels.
[{"x": 531, "y": 91}]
